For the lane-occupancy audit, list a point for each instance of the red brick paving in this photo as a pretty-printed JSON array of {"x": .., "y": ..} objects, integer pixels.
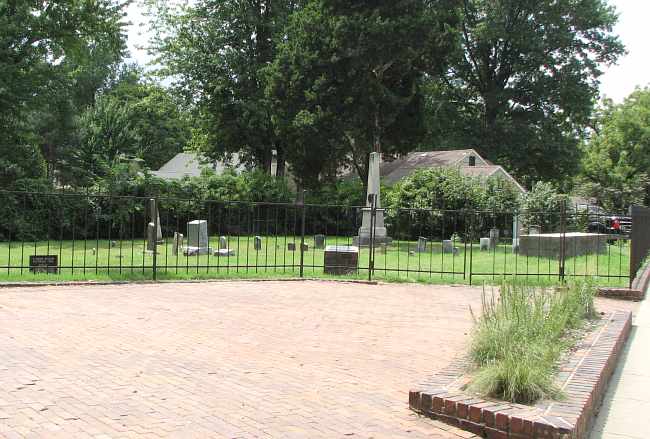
[{"x": 231, "y": 359}]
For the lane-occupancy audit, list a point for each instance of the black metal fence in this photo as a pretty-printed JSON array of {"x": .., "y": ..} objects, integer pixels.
[
  {"x": 640, "y": 237},
  {"x": 81, "y": 236}
]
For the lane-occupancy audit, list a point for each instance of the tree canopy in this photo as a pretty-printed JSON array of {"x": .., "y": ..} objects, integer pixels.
[
  {"x": 523, "y": 83},
  {"x": 53, "y": 56},
  {"x": 347, "y": 79},
  {"x": 216, "y": 51},
  {"x": 617, "y": 159}
]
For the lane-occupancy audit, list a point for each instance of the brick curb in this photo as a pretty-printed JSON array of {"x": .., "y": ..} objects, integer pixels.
[
  {"x": 583, "y": 377},
  {"x": 622, "y": 293},
  {"x": 179, "y": 281},
  {"x": 637, "y": 291}
]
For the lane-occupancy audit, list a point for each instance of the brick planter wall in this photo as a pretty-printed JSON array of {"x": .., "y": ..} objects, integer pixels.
[
  {"x": 637, "y": 292},
  {"x": 583, "y": 378}
]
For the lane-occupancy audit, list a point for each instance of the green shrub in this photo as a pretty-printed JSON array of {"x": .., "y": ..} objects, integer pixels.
[
  {"x": 440, "y": 189},
  {"x": 521, "y": 336},
  {"x": 542, "y": 206}
]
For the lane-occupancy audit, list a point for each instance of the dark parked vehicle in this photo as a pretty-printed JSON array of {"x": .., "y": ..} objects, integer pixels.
[{"x": 602, "y": 222}]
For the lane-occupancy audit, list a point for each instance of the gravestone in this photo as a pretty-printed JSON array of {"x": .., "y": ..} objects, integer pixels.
[
  {"x": 379, "y": 230},
  {"x": 197, "y": 238},
  {"x": 224, "y": 252},
  {"x": 44, "y": 264},
  {"x": 422, "y": 245},
  {"x": 448, "y": 247},
  {"x": 494, "y": 238},
  {"x": 319, "y": 241},
  {"x": 516, "y": 224},
  {"x": 151, "y": 238},
  {"x": 177, "y": 244},
  {"x": 341, "y": 259},
  {"x": 257, "y": 243},
  {"x": 485, "y": 244},
  {"x": 305, "y": 248},
  {"x": 223, "y": 242},
  {"x": 155, "y": 218},
  {"x": 291, "y": 246}
]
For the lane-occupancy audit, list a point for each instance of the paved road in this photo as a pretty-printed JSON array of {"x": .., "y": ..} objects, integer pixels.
[
  {"x": 233, "y": 359},
  {"x": 626, "y": 410}
]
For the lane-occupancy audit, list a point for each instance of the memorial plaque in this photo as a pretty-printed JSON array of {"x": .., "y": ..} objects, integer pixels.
[
  {"x": 44, "y": 264},
  {"x": 341, "y": 259}
]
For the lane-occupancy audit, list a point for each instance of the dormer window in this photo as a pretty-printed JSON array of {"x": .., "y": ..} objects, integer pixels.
[{"x": 472, "y": 160}]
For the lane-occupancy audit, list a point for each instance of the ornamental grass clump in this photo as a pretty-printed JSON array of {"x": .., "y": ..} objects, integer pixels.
[{"x": 520, "y": 337}]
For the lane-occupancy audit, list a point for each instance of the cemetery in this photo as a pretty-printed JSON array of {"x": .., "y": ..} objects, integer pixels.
[{"x": 324, "y": 219}]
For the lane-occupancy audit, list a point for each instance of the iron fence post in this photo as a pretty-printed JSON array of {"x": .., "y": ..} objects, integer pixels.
[
  {"x": 371, "y": 243},
  {"x": 154, "y": 212},
  {"x": 471, "y": 245},
  {"x": 563, "y": 227},
  {"x": 302, "y": 235}
]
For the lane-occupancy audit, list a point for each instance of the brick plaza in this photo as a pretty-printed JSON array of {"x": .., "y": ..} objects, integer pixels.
[{"x": 226, "y": 359}]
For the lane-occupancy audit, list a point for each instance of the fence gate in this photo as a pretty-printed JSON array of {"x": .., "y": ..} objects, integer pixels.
[{"x": 640, "y": 238}]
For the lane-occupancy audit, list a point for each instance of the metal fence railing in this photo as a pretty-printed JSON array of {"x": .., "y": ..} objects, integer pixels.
[
  {"x": 640, "y": 238},
  {"x": 80, "y": 236}
]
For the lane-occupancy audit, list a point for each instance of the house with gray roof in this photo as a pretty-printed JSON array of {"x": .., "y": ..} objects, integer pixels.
[
  {"x": 468, "y": 161},
  {"x": 190, "y": 164}
]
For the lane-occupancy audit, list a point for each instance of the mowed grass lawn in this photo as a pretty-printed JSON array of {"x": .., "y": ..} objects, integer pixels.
[{"x": 128, "y": 260}]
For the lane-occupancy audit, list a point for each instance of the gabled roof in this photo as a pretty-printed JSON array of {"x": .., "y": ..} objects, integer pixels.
[
  {"x": 189, "y": 164},
  {"x": 489, "y": 171},
  {"x": 395, "y": 170}
]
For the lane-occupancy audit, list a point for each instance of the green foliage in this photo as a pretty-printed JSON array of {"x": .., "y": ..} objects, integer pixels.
[
  {"x": 216, "y": 51},
  {"x": 448, "y": 188},
  {"x": 522, "y": 85},
  {"x": 542, "y": 206},
  {"x": 53, "y": 57},
  {"x": 133, "y": 120},
  {"x": 617, "y": 159},
  {"x": 341, "y": 193},
  {"x": 520, "y": 337},
  {"x": 347, "y": 80}
]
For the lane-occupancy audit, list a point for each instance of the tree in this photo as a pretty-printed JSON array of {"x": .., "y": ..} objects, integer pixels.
[
  {"x": 347, "y": 80},
  {"x": 216, "y": 50},
  {"x": 131, "y": 120},
  {"x": 617, "y": 158},
  {"x": 38, "y": 41},
  {"x": 522, "y": 86}
]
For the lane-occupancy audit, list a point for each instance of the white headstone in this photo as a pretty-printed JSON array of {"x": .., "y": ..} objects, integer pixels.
[
  {"x": 155, "y": 218},
  {"x": 422, "y": 245},
  {"x": 151, "y": 237},
  {"x": 485, "y": 244},
  {"x": 257, "y": 243},
  {"x": 447, "y": 246},
  {"x": 197, "y": 238},
  {"x": 494, "y": 238},
  {"x": 177, "y": 244},
  {"x": 223, "y": 242},
  {"x": 224, "y": 252}
]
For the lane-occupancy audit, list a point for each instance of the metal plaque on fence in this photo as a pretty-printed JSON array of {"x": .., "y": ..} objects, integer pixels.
[{"x": 44, "y": 264}]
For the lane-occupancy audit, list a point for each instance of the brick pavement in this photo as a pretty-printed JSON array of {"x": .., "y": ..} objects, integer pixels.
[{"x": 227, "y": 359}]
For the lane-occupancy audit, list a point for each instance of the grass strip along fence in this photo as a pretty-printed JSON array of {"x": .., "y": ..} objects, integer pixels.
[
  {"x": 521, "y": 336},
  {"x": 104, "y": 237}
]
